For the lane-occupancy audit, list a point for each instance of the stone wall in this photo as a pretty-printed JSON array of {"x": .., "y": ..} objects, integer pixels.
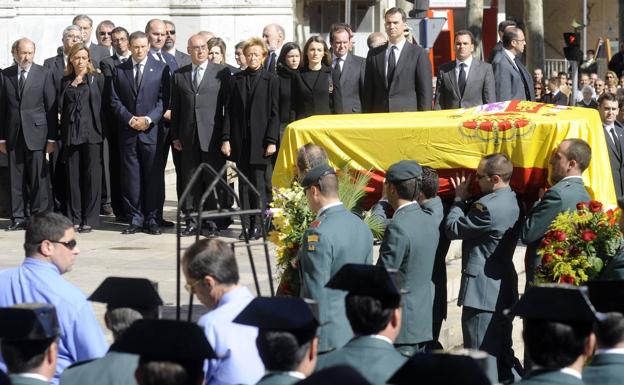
[{"x": 233, "y": 20}]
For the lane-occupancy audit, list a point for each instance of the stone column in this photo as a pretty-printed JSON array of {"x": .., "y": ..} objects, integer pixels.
[
  {"x": 474, "y": 22},
  {"x": 534, "y": 33}
]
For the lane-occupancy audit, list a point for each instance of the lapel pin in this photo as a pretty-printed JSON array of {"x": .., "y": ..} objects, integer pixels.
[{"x": 151, "y": 70}]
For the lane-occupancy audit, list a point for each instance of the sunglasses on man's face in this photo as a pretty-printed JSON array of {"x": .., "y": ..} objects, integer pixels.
[
  {"x": 172, "y": 32},
  {"x": 69, "y": 244},
  {"x": 102, "y": 33}
]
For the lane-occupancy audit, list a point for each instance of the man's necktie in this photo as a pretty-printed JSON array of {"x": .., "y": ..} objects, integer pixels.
[
  {"x": 391, "y": 64},
  {"x": 137, "y": 76},
  {"x": 461, "y": 78},
  {"x": 337, "y": 69},
  {"x": 123, "y": 59},
  {"x": 21, "y": 81},
  {"x": 616, "y": 140},
  {"x": 160, "y": 58},
  {"x": 523, "y": 76},
  {"x": 197, "y": 79},
  {"x": 271, "y": 62}
]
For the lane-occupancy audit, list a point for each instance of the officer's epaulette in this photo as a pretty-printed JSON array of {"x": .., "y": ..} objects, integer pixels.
[{"x": 479, "y": 207}]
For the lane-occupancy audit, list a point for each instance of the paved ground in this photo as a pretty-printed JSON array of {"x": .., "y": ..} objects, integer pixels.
[{"x": 105, "y": 252}]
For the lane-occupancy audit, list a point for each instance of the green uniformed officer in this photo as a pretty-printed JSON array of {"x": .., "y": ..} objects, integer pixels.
[
  {"x": 409, "y": 246},
  {"x": 489, "y": 228},
  {"x": 557, "y": 334},
  {"x": 127, "y": 300},
  {"x": 169, "y": 351},
  {"x": 567, "y": 163},
  {"x": 615, "y": 268},
  {"x": 287, "y": 341},
  {"x": 334, "y": 238},
  {"x": 28, "y": 335},
  {"x": 607, "y": 365},
  {"x": 440, "y": 369},
  {"x": 373, "y": 305}
]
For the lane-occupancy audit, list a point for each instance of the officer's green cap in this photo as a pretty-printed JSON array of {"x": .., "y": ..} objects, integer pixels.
[
  {"x": 555, "y": 302},
  {"x": 367, "y": 280},
  {"x": 135, "y": 293},
  {"x": 316, "y": 173},
  {"x": 28, "y": 322},
  {"x": 404, "y": 170}
]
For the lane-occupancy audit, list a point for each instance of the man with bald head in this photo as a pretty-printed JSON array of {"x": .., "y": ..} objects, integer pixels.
[
  {"x": 28, "y": 114},
  {"x": 273, "y": 35},
  {"x": 198, "y": 94},
  {"x": 207, "y": 35}
]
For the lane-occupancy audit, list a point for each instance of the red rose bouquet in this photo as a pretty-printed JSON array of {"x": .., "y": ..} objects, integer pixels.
[{"x": 579, "y": 244}]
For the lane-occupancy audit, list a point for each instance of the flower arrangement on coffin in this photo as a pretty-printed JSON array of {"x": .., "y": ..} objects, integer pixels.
[
  {"x": 291, "y": 218},
  {"x": 579, "y": 244}
]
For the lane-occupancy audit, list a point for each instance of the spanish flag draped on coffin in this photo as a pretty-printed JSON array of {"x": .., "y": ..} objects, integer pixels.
[{"x": 452, "y": 141}]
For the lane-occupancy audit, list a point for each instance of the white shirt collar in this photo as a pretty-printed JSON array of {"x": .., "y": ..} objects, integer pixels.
[
  {"x": 35, "y": 376},
  {"x": 326, "y": 207},
  {"x": 172, "y": 51},
  {"x": 571, "y": 176},
  {"x": 399, "y": 45},
  {"x": 404, "y": 205},
  {"x": 343, "y": 58},
  {"x": 610, "y": 351},
  {"x": 27, "y": 69},
  {"x": 296, "y": 374},
  {"x": 510, "y": 54},
  {"x": 571, "y": 372},
  {"x": 382, "y": 338},
  {"x": 202, "y": 66},
  {"x": 142, "y": 62},
  {"x": 467, "y": 62}
]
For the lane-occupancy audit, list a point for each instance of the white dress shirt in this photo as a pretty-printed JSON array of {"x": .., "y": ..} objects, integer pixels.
[
  {"x": 467, "y": 64},
  {"x": 397, "y": 52}
]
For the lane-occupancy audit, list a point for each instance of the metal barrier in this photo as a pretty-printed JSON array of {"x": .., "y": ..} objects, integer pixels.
[{"x": 554, "y": 66}]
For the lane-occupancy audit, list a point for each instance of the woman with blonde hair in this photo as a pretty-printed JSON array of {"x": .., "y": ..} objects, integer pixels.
[
  {"x": 80, "y": 104},
  {"x": 251, "y": 131}
]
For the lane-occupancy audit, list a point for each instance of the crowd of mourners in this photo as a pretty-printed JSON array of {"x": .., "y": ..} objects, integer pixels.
[{"x": 123, "y": 104}]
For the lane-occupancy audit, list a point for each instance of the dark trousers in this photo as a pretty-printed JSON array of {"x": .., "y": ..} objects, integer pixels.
[
  {"x": 490, "y": 332},
  {"x": 256, "y": 173},
  {"x": 114, "y": 166},
  {"x": 105, "y": 166},
  {"x": 28, "y": 173},
  {"x": 190, "y": 160},
  {"x": 58, "y": 178},
  {"x": 84, "y": 170},
  {"x": 140, "y": 169}
]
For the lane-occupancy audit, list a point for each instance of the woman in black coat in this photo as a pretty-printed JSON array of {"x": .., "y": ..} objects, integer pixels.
[
  {"x": 251, "y": 129},
  {"x": 80, "y": 104},
  {"x": 288, "y": 65},
  {"x": 316, "y": 91}
]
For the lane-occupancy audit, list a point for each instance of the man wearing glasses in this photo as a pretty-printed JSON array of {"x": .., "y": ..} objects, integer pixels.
[
  {"x": 86, "y": 26},
  {"x": 513, "y": 80},
  {"x": 489, "y": 228},
  {"x": 103, "y": 34},
  {"x": 170, "y": 40},
  {"x": 51, "y": 250}
]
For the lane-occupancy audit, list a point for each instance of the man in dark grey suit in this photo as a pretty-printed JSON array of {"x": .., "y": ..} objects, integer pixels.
[
  {"x": 513, "y": 81},
  {"x": 181, "y": 58},
  {"x": 498, "y": 47},
  {"x": 104, "y": 35},
  {"x": 489, "y": 228},
  {"x": 398, "y": 74},
  {"x": 111, "y": 164},
  {"x": 97, "y": 52},
  {"x": 466, "y": 81},
  {"x": 198, "y": 95},
  {"x": 348, "y": 68},
  {"x": 608, "y": 107},
  {"x": 28, "y": 114}
]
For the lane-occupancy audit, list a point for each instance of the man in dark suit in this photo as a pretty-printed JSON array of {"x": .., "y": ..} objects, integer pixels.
[
  {"x": 156, "y": 34},
  {"x": 111, "y": 165},
  {"x": 97, "y": 52},
  {"x": 273, "y": 35},
  {"x": 467, "y": 81},
  {"x": 348, "y": 68},
  {"x": 608, "y": 107},
  {"x": 398, "y": 74},
  {"x": 29, "y": 117},
  {"x": 104, "y": 36},
  {"x": 489, "y": 228},
  {"x": 513, "y": 80},
  {"x": 181, "y": 58},
  {"x": 498, "y": 47},
  {"x": 555, "y": 96},
  {"x": 567, "y": 162},
  {"x": 56, "y": 65},
  {"x": 138, "y": 90},
  {"x": 199, "y": 92}
]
